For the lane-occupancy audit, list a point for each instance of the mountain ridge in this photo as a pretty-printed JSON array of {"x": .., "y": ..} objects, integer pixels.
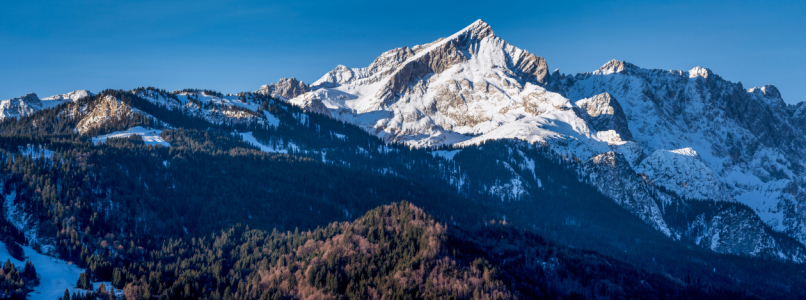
[
  {"x": 616, "y": 126},
  {"x": 469, "y": 97}
]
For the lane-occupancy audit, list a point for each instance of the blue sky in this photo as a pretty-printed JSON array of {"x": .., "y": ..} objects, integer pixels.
[{"x": 53, "y": 47}]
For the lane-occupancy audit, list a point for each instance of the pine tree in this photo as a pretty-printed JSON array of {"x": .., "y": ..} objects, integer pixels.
[
  {"x": 83, "y": 281},
  {"x": 117, "y": 280},
  {"x": 30, "y": 272},
  {"x": 66, "y": 295}
]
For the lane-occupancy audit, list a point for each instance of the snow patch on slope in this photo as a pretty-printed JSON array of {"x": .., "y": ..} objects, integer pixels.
[
  {"x": 55, "y": 275},
  {"x": 446, "y": 154},
  {"x": 682, "y": 172},
  {"x": 271, "y": 119},
  {"x": 278, "y": 148},
  {"x": 151, "y": 137}
]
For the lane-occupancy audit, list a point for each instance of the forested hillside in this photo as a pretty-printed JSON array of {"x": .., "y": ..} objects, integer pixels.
[
  {"x": 214, "y": 216},
  {"x": 396, "y": 251}
]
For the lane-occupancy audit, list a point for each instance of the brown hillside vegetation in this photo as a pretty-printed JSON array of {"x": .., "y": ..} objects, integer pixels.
[{"x": 394, "y": 252}]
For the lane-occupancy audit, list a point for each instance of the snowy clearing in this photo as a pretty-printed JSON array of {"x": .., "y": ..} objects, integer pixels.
[
  {"x": 55, "y": 275},
  {"x": 280, "y": 148},
  {"x": 447, "y": 154},
  {"x": 150, "y": 136}
]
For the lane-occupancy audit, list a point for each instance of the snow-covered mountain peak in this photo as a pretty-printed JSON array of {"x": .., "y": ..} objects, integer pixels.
[
  {"x": 74, "y": 95},
  {"x": 458, "y": 83},
  {"x": 29, "y": 98},
  {"x": 614, "y": 66},
  {"x": 769, "y": 91},
  {"x": 478, "y": 30},
  {"x": 699, "y": 72},
  {"x": 20, "y": 106}
]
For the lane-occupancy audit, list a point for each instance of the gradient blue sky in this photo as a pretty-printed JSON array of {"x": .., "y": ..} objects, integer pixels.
[{"x": 53, "y": 47}]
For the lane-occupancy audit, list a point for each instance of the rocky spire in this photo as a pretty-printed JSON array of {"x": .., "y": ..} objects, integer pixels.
[{"x": 604, "y": 113}]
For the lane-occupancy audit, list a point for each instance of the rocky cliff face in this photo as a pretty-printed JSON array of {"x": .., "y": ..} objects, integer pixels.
[
  {"x": 285, "y": 88},
  {"x": 109, "y": 108},
  {"x": 798, "y": 113},
  {"x": 649, "y": 137},
  {"x": 749, "y": 145},
  {"x": 604, "y": 113},
  {"x": 611, "y": 173}
]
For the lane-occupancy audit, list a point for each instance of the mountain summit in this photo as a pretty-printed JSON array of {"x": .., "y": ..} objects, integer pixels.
[{"x": 438, "y": 93}]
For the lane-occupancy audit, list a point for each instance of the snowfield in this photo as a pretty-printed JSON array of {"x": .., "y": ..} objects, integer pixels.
[
  {"x": 279, "y": 148},
  {"x": 150, "y": 136}
]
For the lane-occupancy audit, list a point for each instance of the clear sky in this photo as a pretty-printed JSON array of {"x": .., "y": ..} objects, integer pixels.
[{"x": 53, "y": 47}]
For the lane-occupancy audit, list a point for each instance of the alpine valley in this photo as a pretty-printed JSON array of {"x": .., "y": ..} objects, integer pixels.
[{"x": 461, "y": 168}]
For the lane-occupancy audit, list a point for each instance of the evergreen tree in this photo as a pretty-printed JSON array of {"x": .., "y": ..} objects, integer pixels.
[
  {"x": 117, "y": 279},
  {"x": 30, "y": 272},
  {"x": 84, "y": 282}
]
